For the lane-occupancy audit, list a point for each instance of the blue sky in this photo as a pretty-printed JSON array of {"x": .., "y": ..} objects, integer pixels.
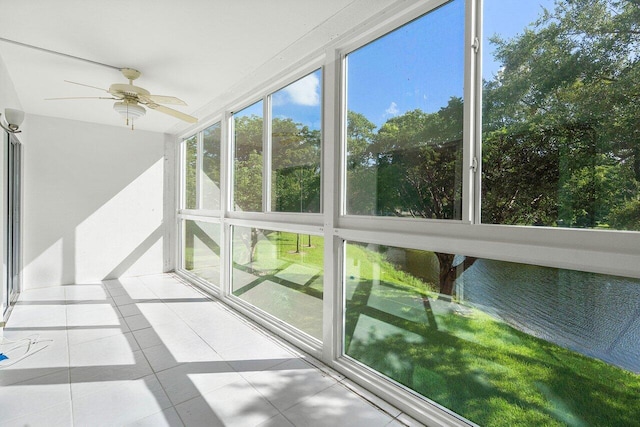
[
  {"x": 299, "y": 101},
  {"x": 420, "y": 65},
  {"x": 507, "y": 18}
]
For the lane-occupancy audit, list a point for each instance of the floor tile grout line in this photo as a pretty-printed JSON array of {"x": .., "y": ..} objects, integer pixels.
[
  {"x": 301, "y": 355},
  {"x": 317, "y": 366},
  {"x": 183, "y": 320},
  {"x": 153, "y": 372}
]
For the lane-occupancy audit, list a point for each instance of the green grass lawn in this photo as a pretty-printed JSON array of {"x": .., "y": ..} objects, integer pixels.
[
  {"x": 474, "y": 364},
  {"x": 459, "y": 357},
  {"x": 284, "y": 278}
]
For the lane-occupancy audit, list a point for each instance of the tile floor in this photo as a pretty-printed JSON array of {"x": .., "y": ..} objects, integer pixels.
[{"x": 153, "y": 351}]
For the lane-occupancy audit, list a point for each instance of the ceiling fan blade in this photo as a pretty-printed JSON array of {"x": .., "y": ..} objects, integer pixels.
[
  {"x": 82, "y": 84},
  {"x": 172, "y": 112},
  {"x": 163, "y": 99},
  {"x": 80, "y": 97}
]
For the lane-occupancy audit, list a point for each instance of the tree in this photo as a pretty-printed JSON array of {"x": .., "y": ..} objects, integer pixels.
[
  {"x": 211, "y": 158},
  {"x": 247, "y": 188},
  {"x": 191, "y": 153},
  {"x": 419, "y": 163},
  {"x": 415, "y": 163},
  {"x": 561, "y": 136},
  {"x": 296, "y": 159},
  {"x": 360, "y": 175}
]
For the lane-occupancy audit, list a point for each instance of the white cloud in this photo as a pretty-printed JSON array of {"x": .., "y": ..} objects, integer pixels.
[
  {"x": 392, "y": 110},
  {"x": 305, "y": 91}
]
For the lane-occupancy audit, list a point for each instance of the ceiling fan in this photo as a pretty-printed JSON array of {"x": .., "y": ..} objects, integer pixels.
[{"x": 130, "y": 99}]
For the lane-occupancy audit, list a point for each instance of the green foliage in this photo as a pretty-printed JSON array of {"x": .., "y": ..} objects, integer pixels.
[
  {"x": 296, "y": 159},
  {"x": 482, "y": 368},
  {"x": 395, "y": 274},
  {"x": 361, "y": 178},
  {"x": 211, "y": 153},
  {"x": 248, "y": 164},
  {"x": 410, "y": 167},
  {"x": 191, "y": 153},
  {"x": 561, "y": 136}
]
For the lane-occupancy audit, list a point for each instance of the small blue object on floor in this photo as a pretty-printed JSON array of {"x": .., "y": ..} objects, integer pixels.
[{"x": 2, "y": 356}]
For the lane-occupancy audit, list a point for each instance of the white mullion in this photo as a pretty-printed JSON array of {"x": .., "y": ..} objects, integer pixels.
[
  {"x": 181, "y": 180},
  {"x": 182, "y": 170},
  {"x": 266, "y": 154},
  {"x": 333, "y": 109},
  {"x": 277, "y": 226},
  {"x": 230, "y": 161},
  {"x": 224, "y": 166},
  {"x": 477, "y": 197},
  {"x": 226, "y": 261},
  {"x": 469, "y": 160},
  {"x": 226, "y": 178},
  {"x": 180, "y": 239},
  {"x": 224, "y": 149},
  {"x": 199, "y": 148}
]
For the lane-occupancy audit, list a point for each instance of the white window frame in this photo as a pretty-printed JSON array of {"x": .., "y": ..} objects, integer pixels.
[{"x": 596, "y": 251}]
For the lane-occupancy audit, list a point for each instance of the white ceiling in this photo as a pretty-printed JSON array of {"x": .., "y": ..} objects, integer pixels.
[{"x": 203, "y": 51}]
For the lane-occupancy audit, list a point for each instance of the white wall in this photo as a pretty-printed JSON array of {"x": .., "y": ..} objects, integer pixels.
[
  {"x": 8, "y": 96},
  {"x": 96, "y": 199},
  {"x": 8, "y": 99}
]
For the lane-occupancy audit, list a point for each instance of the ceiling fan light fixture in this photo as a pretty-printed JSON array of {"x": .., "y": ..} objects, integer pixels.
[{"x": 129, "y": 111}]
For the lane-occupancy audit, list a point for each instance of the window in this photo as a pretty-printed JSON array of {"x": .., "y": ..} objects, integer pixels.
[
  {"x": 560, "y": 134},
  {"x": 202, "y": 250},
  {"x": 210, "y": 175},
  {"x": 498, "y": 324},
  {"x": 190, "y": 168},
  {"x": 404, "y": 120},
  {"x": 518, "y": 343},
  {"x": 201, "y": 168},
  {"x": 296, "y": 146},
  {"x": 247, "y": 159},
  {"x": 282, "y": 274}
]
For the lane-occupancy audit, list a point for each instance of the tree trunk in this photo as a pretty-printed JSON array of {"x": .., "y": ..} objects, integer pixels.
[{"x": 449, "y": 272}]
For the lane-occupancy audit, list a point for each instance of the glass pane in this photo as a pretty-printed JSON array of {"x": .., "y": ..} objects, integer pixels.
[
  {"x": 295, "y": 135},
  {"x": 202, "y": 250},
  {"x": 190, "y": 167},
  {"x": 210, "y": 178},
  {"x": 247, "y": 160},
  {"x": 499, "y": 343},
  {"x": 405, "y": 120},
  {"x": 560, "y": 115},
  {"x": 280, "y": 273}
]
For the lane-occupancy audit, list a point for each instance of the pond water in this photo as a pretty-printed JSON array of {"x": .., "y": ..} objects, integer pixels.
[{"x": 597, "y": 315}]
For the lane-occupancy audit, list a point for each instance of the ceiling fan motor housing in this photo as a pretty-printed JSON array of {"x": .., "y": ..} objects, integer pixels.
[
  {"x": 127, "y": 90},
  {"x": 130, "y": 73}
]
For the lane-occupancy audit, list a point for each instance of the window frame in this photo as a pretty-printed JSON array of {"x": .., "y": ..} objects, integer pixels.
[
  {"x": 612, "y": 252},
  {"x": 232, "y": 148},
  {"x": 470, "y": 93},
  {"x": 211, "y": 212},
  {"x": 267, "y": 214},
  {"x": 269, "y": 144}
]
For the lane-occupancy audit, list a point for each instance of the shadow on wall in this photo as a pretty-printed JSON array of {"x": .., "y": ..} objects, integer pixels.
[{"x": 94, "y": 202}]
